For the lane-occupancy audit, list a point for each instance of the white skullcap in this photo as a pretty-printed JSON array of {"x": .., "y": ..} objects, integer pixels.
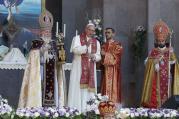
[{"x": 90, "y": 24}]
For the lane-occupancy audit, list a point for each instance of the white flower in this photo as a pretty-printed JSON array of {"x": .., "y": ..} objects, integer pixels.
[
  {"x": 99, "y": 94},
  {"x": 97, "y": 111},
  {"x": 36, "y": 114},
  {"x": 132, "y": 115},
  {"x": 105, "y": 98},
  {"x": 5, "y": 100},
  {"x": 21, "y": 114},
  {"x": 93, "y": 97},
  {"x": 158, "y": 115},
  {"x": 67, "y": 114},
  {"x": 55, "y": 115},
  {"x": 143, "y": 113},
  {"x": 27, "y": 114},
  {"x": 97, "y": 102},
  {"x": 99, "y": 28},
  {"x": 123, "y": 114},
  {"x": 47, "y": 114},
  {"x": 166, "y": 115},
  {"x": 118, "y": 116},
  {"x": 100, "y": 97},
  {"x": 88, "y": 108},
  {"x": 125, "y": 111},
  {"x": 2, "y": 103},
  {"x": 94, "y": 20},
  {"x": 77, "y": 113},
  {"x": 140, "y": 28},
  {"x": 136, "y": 114},
  {"x": 51, "y": 109},
  {"x": 173, "y": 113},
  {"x": 98, "y": 20},
  {"x": 12, "y": 116},
  {"x": 90, "y": 21}
]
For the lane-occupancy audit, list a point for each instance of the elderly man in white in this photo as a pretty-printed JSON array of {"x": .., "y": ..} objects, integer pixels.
[{"x": 83, "y": 80}]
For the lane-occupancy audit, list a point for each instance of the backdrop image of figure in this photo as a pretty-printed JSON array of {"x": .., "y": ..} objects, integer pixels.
[{"x": 25, "y": 17}]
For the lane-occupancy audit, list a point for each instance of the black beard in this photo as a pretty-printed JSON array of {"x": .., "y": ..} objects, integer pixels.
[{"x": 161, "y": 45}]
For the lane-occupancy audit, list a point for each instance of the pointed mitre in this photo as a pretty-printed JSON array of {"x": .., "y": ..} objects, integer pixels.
[
  {"x": 46, "y": 21},
  {"x": 161, "y": 29}
]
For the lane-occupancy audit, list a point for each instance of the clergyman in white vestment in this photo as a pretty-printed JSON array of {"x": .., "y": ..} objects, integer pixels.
[{"x": 83, "y": 80}]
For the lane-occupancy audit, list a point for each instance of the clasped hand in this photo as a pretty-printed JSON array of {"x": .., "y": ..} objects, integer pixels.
[
  {"x": 45, "y": 47},
  {"x": 92, "y": 57}
]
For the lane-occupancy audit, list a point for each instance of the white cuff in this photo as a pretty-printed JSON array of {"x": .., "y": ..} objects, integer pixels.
[
  {"x": 145, "y": 61},
  {"x": 157, "y": 67},
  {"x": 172, "y": 62}
]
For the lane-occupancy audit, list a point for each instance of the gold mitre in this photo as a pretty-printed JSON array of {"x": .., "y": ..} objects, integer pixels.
[{"x": 46, "y": 21}]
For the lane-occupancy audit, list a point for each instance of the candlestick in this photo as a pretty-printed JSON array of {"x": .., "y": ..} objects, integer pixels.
[
  {"x": 56, "y": 28},
  {"x": 64, "y": 30}
]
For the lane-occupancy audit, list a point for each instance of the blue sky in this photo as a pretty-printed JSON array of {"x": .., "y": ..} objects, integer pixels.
[{"x": 27, "y": 7}]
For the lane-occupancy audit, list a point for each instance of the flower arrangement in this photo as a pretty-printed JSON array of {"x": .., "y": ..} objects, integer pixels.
[
  {"x": 98, "y": 29},
  {"x": 5, "y": 109},
  {"x": 138, "y": 43},
  {"x": 47, "y": 112},
  {"x": 146, "y": 113},
  {"x": 92, "y": 111},
  {"x": 93, "y": 103}
]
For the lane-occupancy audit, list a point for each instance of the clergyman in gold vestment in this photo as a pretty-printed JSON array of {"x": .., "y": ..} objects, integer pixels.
[{"x": 161, "y": 79}]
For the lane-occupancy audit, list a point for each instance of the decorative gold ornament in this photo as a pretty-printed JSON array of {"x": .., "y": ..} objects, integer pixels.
[{"x": 60, "y": 48}]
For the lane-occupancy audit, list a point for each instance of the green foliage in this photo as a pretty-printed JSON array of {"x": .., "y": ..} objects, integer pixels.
[
  {"x": 98, "y": 29},
  {"x": 5, "y": 116},
  {"x": 138, "y": 44}
]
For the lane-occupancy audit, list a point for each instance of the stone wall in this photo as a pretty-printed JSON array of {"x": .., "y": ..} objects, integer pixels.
[{"x": 124, "y": 17}]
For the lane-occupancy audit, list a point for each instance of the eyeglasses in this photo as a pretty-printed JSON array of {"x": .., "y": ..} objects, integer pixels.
[{"x": 91, "y": 30}]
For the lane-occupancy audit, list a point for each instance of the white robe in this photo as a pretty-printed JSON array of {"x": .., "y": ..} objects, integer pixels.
[
  {"x": 77, "y": 97},
  {"x": 60, "y": 86},
  {"x": 31, "y": 94}
]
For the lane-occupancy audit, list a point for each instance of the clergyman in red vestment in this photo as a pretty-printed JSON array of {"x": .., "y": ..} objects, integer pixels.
[
  {"x": 161, "y": 79},
  {"x": 111, "y": 52}
]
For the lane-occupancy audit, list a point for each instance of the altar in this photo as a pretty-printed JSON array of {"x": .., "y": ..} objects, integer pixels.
[{"x": 10, "y": 83}]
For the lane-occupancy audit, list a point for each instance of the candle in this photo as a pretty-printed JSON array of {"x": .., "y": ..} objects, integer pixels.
[
  {"x": 56, "y": 28},
  {"x": 76, "y": 33},
  {"x": 64, "y": 30}
]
